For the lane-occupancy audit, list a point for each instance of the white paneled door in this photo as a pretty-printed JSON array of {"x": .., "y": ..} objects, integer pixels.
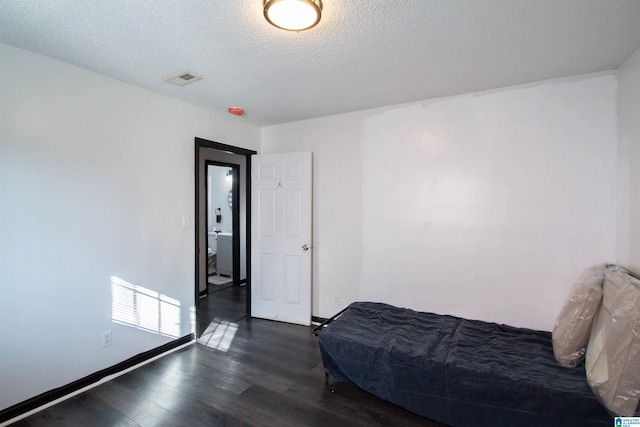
[{"x": 281, "y": 237}]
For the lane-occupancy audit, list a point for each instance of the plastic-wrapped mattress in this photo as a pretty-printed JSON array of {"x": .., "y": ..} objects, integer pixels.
[{"x": 456, "y": 371}]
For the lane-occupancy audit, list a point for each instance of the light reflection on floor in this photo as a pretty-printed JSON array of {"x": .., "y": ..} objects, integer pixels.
[{"x": 219, "y": 335}]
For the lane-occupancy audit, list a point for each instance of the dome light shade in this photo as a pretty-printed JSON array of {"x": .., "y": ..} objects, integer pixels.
[{"x": 293, "y": 15}]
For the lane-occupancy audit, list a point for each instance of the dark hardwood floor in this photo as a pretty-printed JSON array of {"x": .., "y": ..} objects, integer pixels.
[
  {"x": 225, "y": 302},
  {"x": 253, "y": 373}
]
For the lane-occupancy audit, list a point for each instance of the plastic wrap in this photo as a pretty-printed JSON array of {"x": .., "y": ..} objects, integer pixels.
[
  {"x": 613, "y": 355},
  {"x": 573, "y": 325}
]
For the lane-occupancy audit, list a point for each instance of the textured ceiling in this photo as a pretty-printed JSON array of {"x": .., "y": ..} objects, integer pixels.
[{"x": 363, "y": 54}]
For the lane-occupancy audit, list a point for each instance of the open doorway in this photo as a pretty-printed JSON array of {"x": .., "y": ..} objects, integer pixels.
[
  {"x": 222, "y": 217},
  {"x": 222, "y": 227}
]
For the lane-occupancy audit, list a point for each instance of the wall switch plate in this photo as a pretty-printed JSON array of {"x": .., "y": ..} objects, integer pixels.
[
  {"x": 106, "y": 338},
  {"x": 186, "y": 221},
  {"x": 336, "y": 299}
]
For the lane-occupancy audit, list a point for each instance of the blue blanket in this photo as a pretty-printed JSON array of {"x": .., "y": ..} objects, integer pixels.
[{"x": 456, "y": 371}]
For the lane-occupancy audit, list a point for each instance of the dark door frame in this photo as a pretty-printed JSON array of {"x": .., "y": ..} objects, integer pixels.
[{"x": 199, "y": 147}]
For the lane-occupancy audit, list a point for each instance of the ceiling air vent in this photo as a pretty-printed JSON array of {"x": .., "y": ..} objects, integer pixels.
[{"x": 183, "y": 78}]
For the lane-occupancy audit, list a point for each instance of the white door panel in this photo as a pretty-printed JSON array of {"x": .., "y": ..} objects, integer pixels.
[{"x": 281, "y": 237}]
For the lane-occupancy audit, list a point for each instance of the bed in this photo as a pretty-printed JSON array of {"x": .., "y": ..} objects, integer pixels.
[{"x": 456, "y": 371}]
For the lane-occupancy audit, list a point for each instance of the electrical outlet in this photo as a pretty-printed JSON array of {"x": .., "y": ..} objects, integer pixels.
[
  {"x": 106, "y": 338},
  {"x": 336, "y": 299}
]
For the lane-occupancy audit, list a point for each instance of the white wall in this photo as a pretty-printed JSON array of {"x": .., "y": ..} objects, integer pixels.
[
  {"x": 628, "y": 230},
  {"x": 95, "y": 176},
  {"x": 486, "y": 206}
]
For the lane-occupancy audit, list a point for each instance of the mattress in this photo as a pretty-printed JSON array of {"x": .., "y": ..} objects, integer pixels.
[{"x": 457, "y": 371}]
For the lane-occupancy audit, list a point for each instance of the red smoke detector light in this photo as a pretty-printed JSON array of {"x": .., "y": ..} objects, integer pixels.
[{"x": 236, "y": 111}]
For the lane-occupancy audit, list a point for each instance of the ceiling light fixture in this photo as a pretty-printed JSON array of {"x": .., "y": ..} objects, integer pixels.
[{"x": 293, "y": 15}]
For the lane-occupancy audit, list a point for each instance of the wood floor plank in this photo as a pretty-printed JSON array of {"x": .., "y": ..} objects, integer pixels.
[
  {"x": 82, "y": 410},
  {"x": 292, "y": 411},
  {"x": 143, "y": 411}
]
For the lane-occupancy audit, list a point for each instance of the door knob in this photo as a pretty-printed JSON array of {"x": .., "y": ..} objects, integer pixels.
[{"x": 305, "y": 247}]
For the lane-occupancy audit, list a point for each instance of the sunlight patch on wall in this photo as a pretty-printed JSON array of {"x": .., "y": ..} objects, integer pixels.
[
  {"x": 192, "y": 318},
  {"x": 219, "y": 335},
  {"x": 143, "y": 308}
]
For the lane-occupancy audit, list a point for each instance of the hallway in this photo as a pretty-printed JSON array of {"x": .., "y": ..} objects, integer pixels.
[{"x": 224, "y": 303}]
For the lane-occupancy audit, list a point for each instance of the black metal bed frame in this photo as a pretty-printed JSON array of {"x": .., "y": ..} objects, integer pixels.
[{"x": 326, "y": 323}]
